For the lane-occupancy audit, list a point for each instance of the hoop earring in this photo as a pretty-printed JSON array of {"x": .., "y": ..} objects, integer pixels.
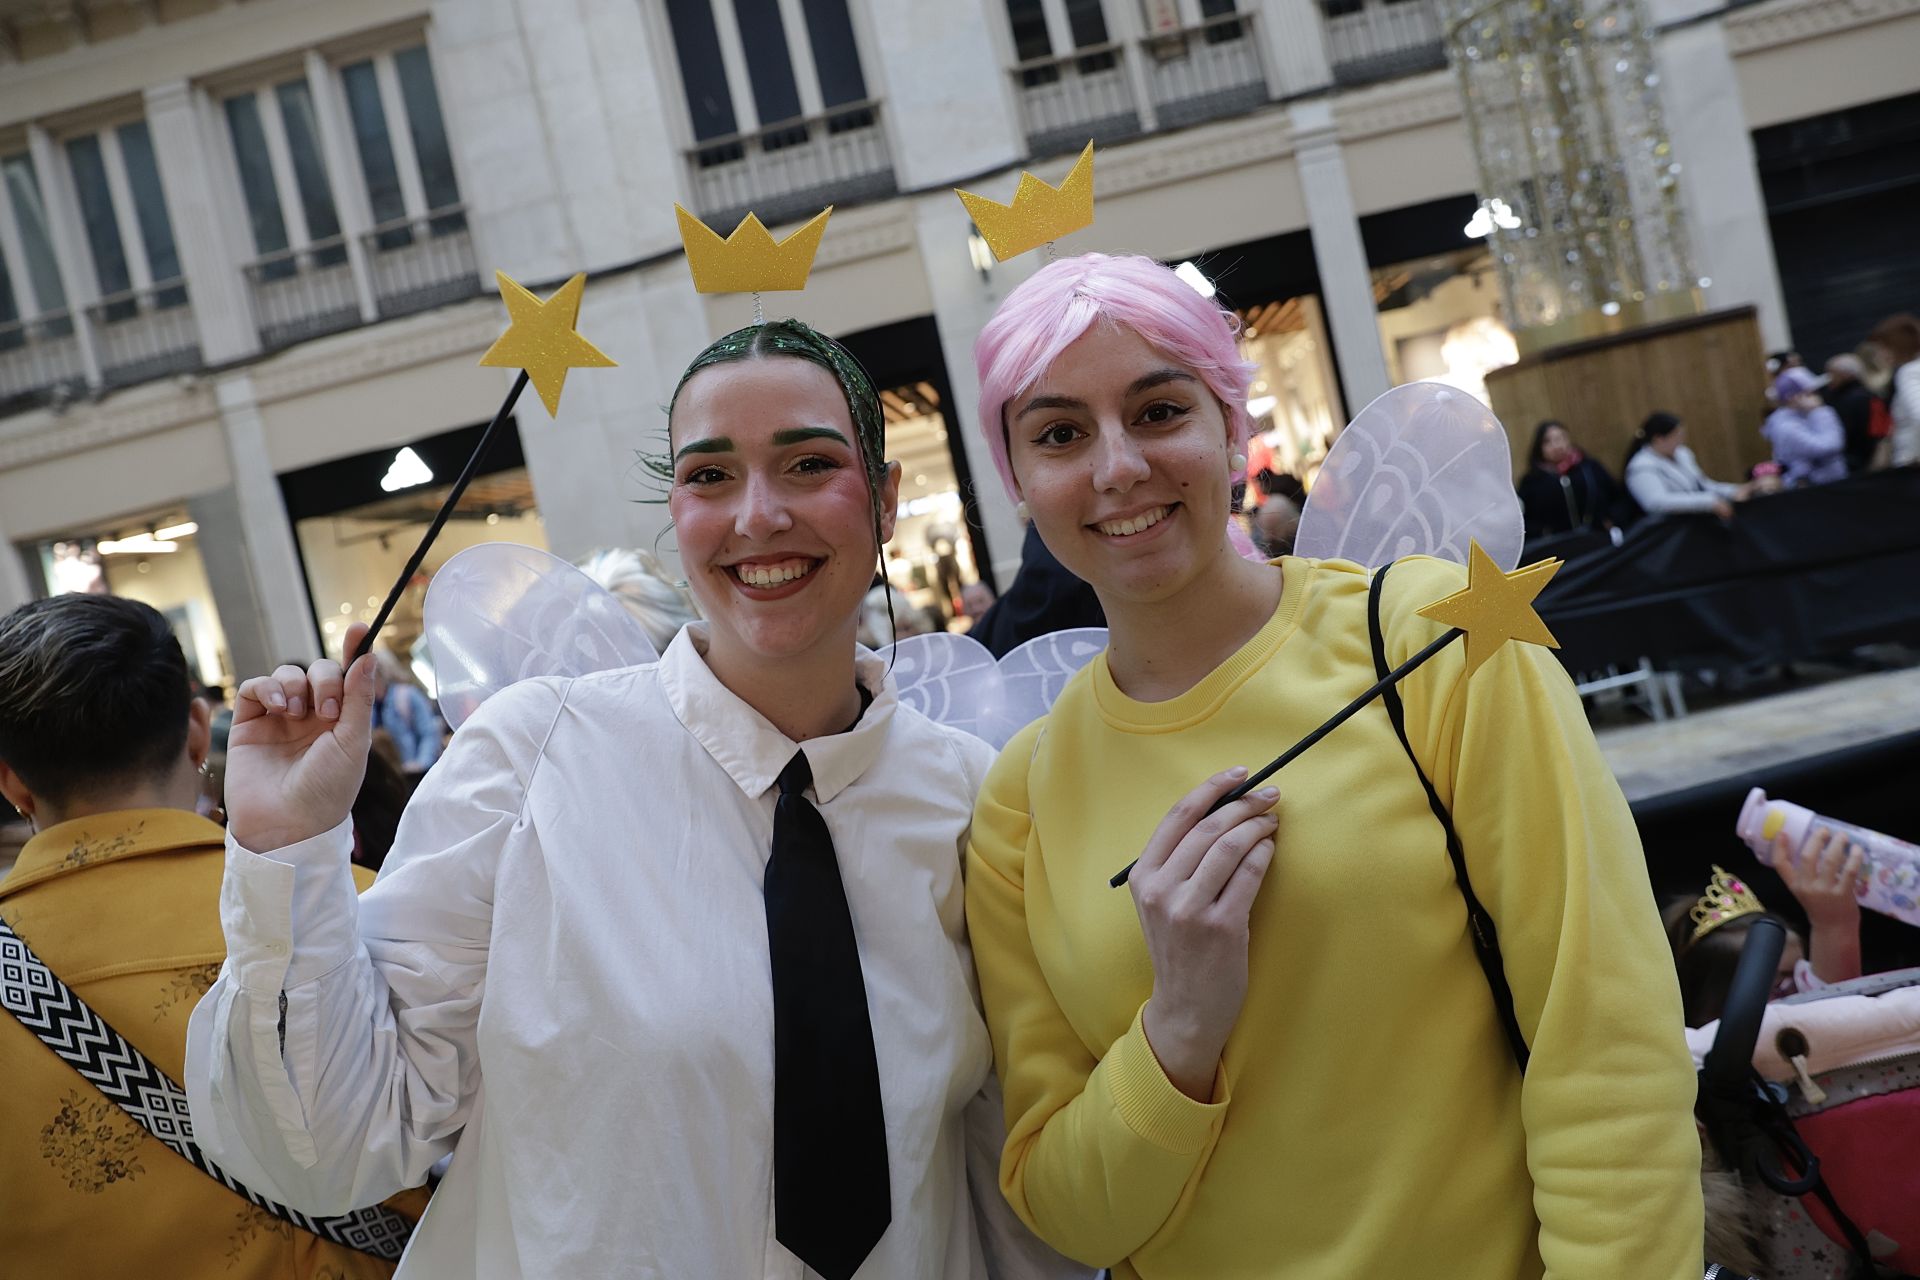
[
  {"x": 1238, "y": 462},
  {"x": 1020, "y": 510}
]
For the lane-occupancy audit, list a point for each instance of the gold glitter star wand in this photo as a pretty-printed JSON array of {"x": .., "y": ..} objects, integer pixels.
[
  {"x": 542, "y": 344},
  {"x": 1494, "y": 608}
]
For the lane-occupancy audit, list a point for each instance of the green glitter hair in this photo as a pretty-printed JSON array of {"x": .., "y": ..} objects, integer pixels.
[{"x": 801, "y": 341}]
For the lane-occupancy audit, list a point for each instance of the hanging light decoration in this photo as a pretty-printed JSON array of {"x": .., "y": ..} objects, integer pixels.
[{"x": 1580, "y": 186}]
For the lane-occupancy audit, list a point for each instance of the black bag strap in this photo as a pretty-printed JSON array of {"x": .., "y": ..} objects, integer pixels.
[
  {"x": 66, "y": 1024},
  {"x": 1486, "y": 939}
]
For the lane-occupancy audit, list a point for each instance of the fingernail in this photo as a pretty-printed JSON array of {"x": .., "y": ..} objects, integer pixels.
[
  {"x": 296, "y": 707},
  {"x": 277, "y": 700},
  {"x": 1238, "y": 771},
  {"x": 330, "y": 708},
  {"x": 1267, "y": 793}
]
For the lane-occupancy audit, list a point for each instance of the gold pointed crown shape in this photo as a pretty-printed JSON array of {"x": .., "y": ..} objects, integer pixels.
[
  {"x": 1039, "y": 212},
  {"x": 749, "y": 260},
  {"x": 1727, "y": 898}
]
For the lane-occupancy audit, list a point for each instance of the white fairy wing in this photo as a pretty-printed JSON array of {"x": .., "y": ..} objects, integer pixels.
[
  {"x": 949, "y": 679},
  {"x": 499, "y": 612},
  {"x": 1424, "y": 470},
  {"x": 1033, "y": 675}
]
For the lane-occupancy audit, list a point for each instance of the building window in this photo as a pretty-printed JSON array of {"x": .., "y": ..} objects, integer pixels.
[
  {"x": 315, "y": 156},
  {"x": 124, "y": 214},
  {"x": 33, "y": 238},
  {"x": 763, "y": 38},
  {"x": 836, "y": 58},
  {"x": 703, "y": 73}
]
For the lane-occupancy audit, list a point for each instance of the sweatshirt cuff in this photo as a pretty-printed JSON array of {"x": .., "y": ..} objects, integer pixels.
[{"x": 1152, "y": 1106}]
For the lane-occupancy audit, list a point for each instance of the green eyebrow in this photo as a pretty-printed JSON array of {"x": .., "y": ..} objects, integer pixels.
[
  {"x": 800, "y": 435},
  {"x": 719, "y": 444}
]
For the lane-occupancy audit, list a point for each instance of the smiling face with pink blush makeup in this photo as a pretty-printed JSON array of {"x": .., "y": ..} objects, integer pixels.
[
  {"x": 1121, "y": 454},
  {"x": 771, "y": 507}
]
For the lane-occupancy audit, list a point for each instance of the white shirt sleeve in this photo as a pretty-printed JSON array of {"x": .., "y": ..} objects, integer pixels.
[
  {"x": 1011, "y": 1250},
  {"x": 336, "y": 1059}
]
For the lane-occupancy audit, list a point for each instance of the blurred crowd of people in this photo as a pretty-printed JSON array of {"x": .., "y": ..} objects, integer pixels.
[{"x": 1862, "y": 413}]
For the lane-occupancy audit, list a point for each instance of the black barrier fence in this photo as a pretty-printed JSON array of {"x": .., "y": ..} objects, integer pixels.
[{"x": 1806, "y": 574}]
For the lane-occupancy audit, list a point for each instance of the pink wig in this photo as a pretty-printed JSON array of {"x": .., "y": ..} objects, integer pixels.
[{"x": 1061, "y": 301}]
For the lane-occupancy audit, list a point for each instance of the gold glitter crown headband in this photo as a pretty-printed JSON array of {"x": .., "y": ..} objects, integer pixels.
[
  {"x": 1039, "y": 214},
  {"x": 750, "y": 260},
  {"x": 1727, "y": 898}
]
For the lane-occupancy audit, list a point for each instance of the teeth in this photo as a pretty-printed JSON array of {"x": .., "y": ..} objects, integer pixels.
[
  {"x": 762, "y": 575},
  {"x": 1137, "y": 524}
]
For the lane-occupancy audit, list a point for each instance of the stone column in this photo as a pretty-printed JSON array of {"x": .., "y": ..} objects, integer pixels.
[
  {"x": 1719, "y": 179},
  {"x": 962, "y": 304},
  {"x": 1294, "y": 36},
  {"x": 16, "y": 588},
  {"x": 1346, "y": 286},
  {"x": 951, "y": 116},
  {"x": 207, "y": 242},
  {"x": 70, "y": 250},
  {"x": 279, "y": 587}
]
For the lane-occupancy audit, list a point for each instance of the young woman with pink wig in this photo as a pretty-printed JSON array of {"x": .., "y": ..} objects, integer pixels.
[{"x": 1290, "y": 1065}]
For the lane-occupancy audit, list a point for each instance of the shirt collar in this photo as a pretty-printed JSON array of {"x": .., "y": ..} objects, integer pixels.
[
  {"x": 107, "y": 837},
  {"x": 746, "y": 744}
]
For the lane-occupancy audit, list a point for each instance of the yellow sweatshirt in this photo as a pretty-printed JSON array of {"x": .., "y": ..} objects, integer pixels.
[{"x": 1368, "y": 1118}]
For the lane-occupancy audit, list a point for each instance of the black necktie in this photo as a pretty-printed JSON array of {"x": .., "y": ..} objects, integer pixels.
[{"x": 830, "y": 1197}]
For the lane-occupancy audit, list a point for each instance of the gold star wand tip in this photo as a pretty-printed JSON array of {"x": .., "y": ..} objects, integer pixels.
[
  {"x": 1495, "y": 607},
  {"x": 542, "y": 339}
]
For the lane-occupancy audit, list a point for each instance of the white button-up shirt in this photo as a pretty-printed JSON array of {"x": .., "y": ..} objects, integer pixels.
[{"x": 561, "y": 979}]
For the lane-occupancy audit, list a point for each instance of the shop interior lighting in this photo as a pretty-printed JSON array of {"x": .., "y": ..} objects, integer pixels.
[
  {"x": 1195, "y": 278},
  {"x": 174, "y": 531},
  {"x": 1261, "y": 406},
  {"x": 407, "y": 471},
  {"x": 1491, "y": 213},
  {"x": 140, "y": 544}
]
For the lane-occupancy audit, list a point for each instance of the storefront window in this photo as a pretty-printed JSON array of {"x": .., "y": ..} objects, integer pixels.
[
  {"x": 931, "y": 558},
  {"x": 155, "y": 560},
  {"x": 1440, "y": 320},
  {"x": 354, "y": 555},
  {"x": 1295, "y": 399}
]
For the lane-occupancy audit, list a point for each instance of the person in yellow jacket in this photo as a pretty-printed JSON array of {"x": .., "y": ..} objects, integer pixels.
[
  {"x": 1278, "y": 1056},
  {"x": 118, "y": 892}
]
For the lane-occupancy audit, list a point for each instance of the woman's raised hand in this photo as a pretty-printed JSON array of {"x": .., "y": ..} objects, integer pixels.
[
  {"x": 1194, "y": 888},
  {"x": 298, "y": 749}
]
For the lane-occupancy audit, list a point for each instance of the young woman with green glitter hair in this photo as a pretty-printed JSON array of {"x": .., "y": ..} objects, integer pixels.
[
  {"x": 802, "y": 341},
  {"x": 709, "y": 909}
]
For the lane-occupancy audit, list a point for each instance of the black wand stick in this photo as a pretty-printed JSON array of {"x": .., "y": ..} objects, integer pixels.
[
  {"x": 1339, "y": 718},
  {"x": 443, "y": 515}
]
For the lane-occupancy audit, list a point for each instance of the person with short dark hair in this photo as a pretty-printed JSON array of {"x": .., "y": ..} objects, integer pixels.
[
  {"x": 102, "y": 743},
  {"x": 1563, "y": 488},
  {"x": 1854, "y": 401}
]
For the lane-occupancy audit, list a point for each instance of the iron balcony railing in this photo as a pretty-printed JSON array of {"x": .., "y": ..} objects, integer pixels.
[
  {"x": 303, "y": 293},
  {"x": 793, "y": 169},
  {"x": 1206, "y": 71},
  {"x": 1067, "y": 100},
  {"x": 421, "y": 263},
  {"x": 40, "y": 362},
  {"x": 144, "y": 333},
  {"x": 1382, "y": 39}
]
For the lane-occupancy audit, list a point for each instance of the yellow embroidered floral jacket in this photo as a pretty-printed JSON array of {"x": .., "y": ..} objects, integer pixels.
[{"x": 125, "y": 908}]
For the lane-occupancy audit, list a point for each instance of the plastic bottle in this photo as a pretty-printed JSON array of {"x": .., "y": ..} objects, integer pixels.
[{"x": 1892, "y": 866}]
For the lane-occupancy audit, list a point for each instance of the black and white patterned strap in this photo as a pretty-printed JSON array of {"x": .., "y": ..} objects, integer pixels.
[{"x": 64, "y": 1023}]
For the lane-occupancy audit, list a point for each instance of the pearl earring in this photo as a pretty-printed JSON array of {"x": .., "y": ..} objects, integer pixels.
[
  {"x": 1238, "y": 462},
  {"x": 1020, "y": 510}
]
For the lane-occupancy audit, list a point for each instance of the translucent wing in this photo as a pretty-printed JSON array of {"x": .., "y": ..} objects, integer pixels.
[
  {"x": 950, "y": 679},
  {"x": 1423, "y": 470},
  {"x": 1033, "y": 675},
  {"x": 499, "y": 612}
]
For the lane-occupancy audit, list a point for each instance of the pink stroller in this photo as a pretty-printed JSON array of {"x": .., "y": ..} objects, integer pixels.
[{"x": 1815, "y": 1101}]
